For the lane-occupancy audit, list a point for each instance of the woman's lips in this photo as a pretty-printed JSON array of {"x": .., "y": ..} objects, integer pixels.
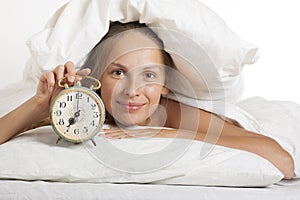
[{"x": 131, "y": 106}]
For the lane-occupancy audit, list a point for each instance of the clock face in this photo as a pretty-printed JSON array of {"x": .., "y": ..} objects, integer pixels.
[{"x": 77, "y": 114}]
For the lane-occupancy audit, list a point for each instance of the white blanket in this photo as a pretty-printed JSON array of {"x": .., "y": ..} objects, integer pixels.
[{"x": 202, "y": 46}]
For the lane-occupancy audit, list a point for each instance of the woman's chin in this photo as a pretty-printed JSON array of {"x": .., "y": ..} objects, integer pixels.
[{"x": 130, "y": 121}]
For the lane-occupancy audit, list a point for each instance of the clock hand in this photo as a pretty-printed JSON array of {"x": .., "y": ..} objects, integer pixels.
[
  {"x": 72, "y": 121},
  {"x": 77, "y": 102},
  {"x": 76, "y": 115}
]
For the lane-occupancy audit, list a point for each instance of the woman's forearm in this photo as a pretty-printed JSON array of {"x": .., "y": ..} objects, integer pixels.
[
  {"x": 261, "y": 145},
  {"x": 21, "y": 118},
  {"x": 252, "y": 142},
  {"x": 233, "y": 136}
]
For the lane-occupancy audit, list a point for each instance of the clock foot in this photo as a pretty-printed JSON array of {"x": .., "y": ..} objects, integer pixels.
[
  {"x": 93, "y": 141},
  {"x": 58, "y": 139}
]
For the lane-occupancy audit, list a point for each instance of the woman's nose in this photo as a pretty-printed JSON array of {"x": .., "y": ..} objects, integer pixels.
[{"x": 132, "y": 87}]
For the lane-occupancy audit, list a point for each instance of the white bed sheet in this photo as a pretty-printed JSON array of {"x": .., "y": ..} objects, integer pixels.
[{"x": 16, "y": 189}]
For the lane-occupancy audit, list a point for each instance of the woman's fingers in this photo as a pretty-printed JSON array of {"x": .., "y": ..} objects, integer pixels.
[
  {"x": 116, "y": 133},
  {"x": 68, "y": 70},
  {"x": 71, "y": 73},
  {"x": 84, "y": 72},
  {"x": 120, "y": 133},
  {"x": 48, "y": 86},
  {"x": 59, "y": 72},
  {"x": 48, "y": 79}
]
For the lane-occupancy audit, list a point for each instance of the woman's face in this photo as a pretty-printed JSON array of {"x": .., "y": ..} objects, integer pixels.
[{"x": 132, "y": 86}]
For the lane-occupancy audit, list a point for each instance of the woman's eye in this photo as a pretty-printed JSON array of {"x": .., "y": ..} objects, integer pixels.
[
  {"x": 118, "y": 72},
  {"x": 150, "y": 75}
]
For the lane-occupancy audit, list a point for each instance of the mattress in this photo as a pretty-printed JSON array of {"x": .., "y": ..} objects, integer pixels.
[{"x": 16, "y": 189}]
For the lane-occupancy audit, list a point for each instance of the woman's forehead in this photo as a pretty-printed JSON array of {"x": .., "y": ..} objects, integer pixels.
[
  {"x": 140, "y": 57},
  {"x": 127, "y": 42},
  {"x": 135, "y": 39}
]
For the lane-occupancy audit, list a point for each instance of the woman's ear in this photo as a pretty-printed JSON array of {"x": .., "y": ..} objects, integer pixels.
[{"x": 165, "y": 90}]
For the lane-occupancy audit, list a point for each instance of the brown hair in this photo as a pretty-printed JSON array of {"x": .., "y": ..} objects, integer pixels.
[
  {"x": 116, "y": 28},
  {"x": 92, "y": 60}
]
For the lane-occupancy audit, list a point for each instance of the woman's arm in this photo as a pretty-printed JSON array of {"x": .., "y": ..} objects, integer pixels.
[
  {"x": 37, "y": 108},
  {"x": 20, "y": 119},
  {"x": 264, "y": 147},
  {"x": 260, "y": 145},
  {"x": 229, "y": 135}
]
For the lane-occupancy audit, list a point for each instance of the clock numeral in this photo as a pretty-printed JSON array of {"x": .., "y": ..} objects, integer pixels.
[
  {"x": 88, "y": 99},
  {"x": 58, "y": 113},
  {"x": 92, "y": 123},
  {"x": 69, "y": 98},
  {"x": 85, "y": 129},
  {"x": 93, "y": 105},
  {"x": 76, "y": 131},
  {"x": 62, "y": 104},
  {"x": 61, "y": 122},
  {"x": 79, "y": 95},
  {"x": 96, "y": 115}
]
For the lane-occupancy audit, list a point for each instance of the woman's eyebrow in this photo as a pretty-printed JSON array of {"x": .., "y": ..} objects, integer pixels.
[
  {"x": 150, "y": 67},
  {"x": 119, "y": 65},
  {"x": 153, "y": 67}
]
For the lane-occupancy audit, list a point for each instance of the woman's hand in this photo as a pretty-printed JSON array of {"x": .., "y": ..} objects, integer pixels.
[
  {"x": 151, "y": 132},
  {"x": 48, "y": 84},
  {"x": 37, "y": 108},
  {"x": 118, "y": 133}
]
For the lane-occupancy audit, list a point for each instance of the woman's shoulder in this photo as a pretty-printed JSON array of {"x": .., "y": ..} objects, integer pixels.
[{"x": 169, "y": 103}]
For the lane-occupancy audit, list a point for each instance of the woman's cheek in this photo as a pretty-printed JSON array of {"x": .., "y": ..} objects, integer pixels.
[
  {"x": 106, "y": 95},
  {"x": 153, "y": 92}
]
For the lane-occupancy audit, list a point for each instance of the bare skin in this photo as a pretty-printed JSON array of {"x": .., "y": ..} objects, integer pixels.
[
  {"x": 37, "y": 109},
  {"x": 229, "y": 136}
]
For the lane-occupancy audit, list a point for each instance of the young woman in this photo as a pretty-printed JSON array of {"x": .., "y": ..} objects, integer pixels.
[{"x": 133, "y": 70}]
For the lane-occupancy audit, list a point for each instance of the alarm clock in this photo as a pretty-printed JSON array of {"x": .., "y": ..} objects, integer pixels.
[{"x": 77, "y": 113}]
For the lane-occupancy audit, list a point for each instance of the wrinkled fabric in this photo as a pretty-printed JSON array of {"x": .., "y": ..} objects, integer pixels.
[{"x": 205, "y": 50}]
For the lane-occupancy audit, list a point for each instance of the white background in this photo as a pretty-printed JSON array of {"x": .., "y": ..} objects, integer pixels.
[
  {"x": 272, "y": 25},
  {"x": 19, "y": 20}
]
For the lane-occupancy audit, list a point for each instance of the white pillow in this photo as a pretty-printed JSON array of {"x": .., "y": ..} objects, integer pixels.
[
  {"x": 206, "y": 51},
  {"x": 35, "y": 156},
  {"x": 278, "y": 120}
]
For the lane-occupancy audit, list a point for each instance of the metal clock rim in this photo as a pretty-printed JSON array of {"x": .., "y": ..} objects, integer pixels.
[
  {"x": 83, "y": 77},
  {"x": 86, "y": 90}
]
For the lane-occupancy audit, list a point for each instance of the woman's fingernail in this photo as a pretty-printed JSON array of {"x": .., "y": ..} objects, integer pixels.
[
  {"x": 71, "y": 78},
  {"x": 50, "y": 89}
]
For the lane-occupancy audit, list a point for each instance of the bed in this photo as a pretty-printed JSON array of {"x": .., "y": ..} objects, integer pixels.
[
  {"x": 68, "y": 171},
  {"x": 16, "y": 189},
  {"x": 197, "y": 170}
]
